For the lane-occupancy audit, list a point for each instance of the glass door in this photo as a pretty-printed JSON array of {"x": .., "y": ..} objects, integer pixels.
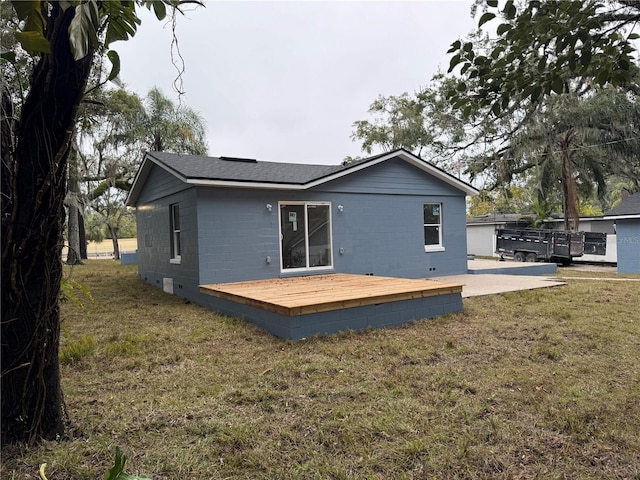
[
  {"x": 319, "y": 233},
  {"x": 305, "y": 230},
  {"x": 292, "y": 229}
]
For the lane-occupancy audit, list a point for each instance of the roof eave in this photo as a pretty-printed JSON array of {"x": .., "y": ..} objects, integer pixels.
[
  {"x": 148, "y": 162},
  {"x": 203, "y": 182},
  {"x": 141, "y": 177},
  {"x": 632, "y": 216}
]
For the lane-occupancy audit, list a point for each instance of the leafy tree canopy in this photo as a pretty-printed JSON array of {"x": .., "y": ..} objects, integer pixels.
[
  {"x": 398, "y": 123},
  {"x": 540, "y": 47},
  {"x": 95, "y": 25},
  {"x": 166, "y": 127}
]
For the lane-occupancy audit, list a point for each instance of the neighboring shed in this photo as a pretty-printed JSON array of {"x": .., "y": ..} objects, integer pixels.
[
  {"x": 627, "y": 218},
  {"x": 481, "y": 230},
  {"x": 208, "y": 220}
]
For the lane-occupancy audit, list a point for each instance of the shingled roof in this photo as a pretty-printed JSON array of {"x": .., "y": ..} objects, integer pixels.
[
  {"x": 629, "y": 207},
  {"x": 195, "y": 167},
  {"x": 250, "y": 173}
]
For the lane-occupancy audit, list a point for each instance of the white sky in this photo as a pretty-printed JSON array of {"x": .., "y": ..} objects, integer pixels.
[{"x": 284, "y": 81}]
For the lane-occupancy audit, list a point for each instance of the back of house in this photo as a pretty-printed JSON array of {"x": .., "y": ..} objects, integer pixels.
[{"x": 206, "y": 220}]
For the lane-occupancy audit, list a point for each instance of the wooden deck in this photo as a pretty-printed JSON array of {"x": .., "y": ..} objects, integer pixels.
[{"x": 323, "y": 293}]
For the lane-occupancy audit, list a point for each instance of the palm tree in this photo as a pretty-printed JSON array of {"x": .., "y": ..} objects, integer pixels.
[
  {"x": 568, "y": 144},
  {"x": 125, "y": 128},
  {"x": 167, "y": 127}
]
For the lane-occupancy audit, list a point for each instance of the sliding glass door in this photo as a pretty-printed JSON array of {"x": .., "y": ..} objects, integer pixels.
[{"x": 305, "y": 232}]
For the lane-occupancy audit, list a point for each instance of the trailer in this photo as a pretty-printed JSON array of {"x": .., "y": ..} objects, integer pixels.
[
  {"x": 595, "y": 243},
  {"x": 533, "y": 244}
]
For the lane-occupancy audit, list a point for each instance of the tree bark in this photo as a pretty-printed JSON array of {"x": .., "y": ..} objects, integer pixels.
[
  {"x": 33, "y": 192},
  {"x": 83, "y": 236},
  {"x": 569, "y": 191},
  {"x": 114, "y": 239},
  {"x": 74, "y": 255}
]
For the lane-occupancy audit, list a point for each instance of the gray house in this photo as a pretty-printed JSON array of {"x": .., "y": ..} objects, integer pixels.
[
  {"x": 627, "y": 218},
  {"x": 206, "y": 220}
]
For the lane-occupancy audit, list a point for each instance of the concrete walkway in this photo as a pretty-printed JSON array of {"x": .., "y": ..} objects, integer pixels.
[
  {"x": 489, "y": 277},
  {"x": 490, "y": 284}
]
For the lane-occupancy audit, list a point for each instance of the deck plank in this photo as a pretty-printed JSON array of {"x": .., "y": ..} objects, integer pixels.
[{"x": 322, "y": 293}]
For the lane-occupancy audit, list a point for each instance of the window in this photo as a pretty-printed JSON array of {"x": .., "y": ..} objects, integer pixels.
[
  {"x": 305, "y": 233},
  {"x": 176, "y": 243},
  {"x": 433, "y": 227}
]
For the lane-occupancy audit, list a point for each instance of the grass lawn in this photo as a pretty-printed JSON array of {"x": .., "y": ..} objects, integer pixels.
[{"x": 536, "y": 384}]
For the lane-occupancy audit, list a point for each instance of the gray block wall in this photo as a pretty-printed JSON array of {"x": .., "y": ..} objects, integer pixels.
[
  {"x": 357, "y": 318},
  {"x": 154, "y": 244},
  {"x": 628, "y": 240},
  {"x": 380, "y": 232}
]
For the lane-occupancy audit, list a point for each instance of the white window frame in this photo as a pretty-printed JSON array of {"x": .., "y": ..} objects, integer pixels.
[
  {"x": 306, "y": 237},
  {"x": 176, "y": 237},
  {"x": 439, "y": 247}
]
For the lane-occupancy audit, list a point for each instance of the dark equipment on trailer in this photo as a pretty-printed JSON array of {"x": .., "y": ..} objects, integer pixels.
[{"x": 533, "y": 244}]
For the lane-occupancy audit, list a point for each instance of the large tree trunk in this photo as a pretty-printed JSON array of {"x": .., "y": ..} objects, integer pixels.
[
  {"x": 33, "y": 192},
  {"x": 569, "y": 190}
]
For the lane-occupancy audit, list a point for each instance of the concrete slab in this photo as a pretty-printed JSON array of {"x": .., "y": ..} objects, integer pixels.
[
  {"x": 509, "y": 267},
  {"x": 490, "y": 284}
]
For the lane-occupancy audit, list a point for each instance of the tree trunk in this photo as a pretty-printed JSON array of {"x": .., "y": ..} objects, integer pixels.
[
  {"x": 114, "y": 239},
  {"x": 83, "y": 236},
  {"x": 74, "y": 256},
  {"x": 73, "y": 231},
  {"x": 569, "y": 190},
  {"x": 33, "y": 192}
]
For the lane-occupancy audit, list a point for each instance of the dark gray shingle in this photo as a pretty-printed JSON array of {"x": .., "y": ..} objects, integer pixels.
[
  {"x": 243, "y": 170},
  {"x": 630, "y": 206}
]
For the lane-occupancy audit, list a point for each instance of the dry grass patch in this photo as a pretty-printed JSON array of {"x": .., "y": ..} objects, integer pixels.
[
  {"x": 536, "y": 384},
  {"x": 595, "y": 271}
]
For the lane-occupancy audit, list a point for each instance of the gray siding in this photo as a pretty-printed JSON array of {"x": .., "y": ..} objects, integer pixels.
[
  {"x": 384, "y": 235},
  {"x": 380, "y": 232},
  {"x": 628, "y": 239},
  {"x": 393, "y": 177},
  {"x": 381, "y": 227},
  {"x": 154, "y": 243},
  {"x": 159, "y": 184},
  {"x": 236, "y": 235}
]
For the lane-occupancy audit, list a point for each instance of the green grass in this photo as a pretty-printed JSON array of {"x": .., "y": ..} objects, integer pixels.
[
  {"x": 535, "y": 384},
  {"x": 74, "y": 351}
]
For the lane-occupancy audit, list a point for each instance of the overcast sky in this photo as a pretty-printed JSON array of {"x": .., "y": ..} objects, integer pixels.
[{"x": 284, "y": 81}]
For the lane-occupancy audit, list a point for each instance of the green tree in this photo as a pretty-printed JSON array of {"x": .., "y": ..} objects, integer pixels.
[
  {"x": 166, "y": 127},
  {"x": 95, "y": 227},
  {"x": 510, "y": 199},
  {"x": 63, "y": 37},
  {"x": 398, "y": 123},
  {"x": 119, "y": 128},
  {"x": 426, "y": 124},
  {"x": 544, "y": 73},
  {"x": 110, "y": 155},
  {"x": 73, "y": 202},
  {"x": 569, "y": 147},
  {"x": 551, "y": 144},
  {"x": 541, "y": 47}
]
